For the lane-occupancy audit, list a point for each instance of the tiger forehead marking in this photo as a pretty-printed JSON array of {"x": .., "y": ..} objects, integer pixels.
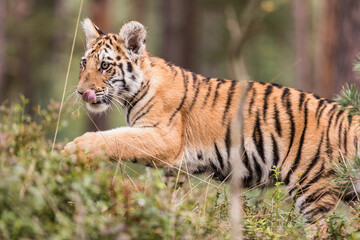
[{"x": 230, "y": 129}]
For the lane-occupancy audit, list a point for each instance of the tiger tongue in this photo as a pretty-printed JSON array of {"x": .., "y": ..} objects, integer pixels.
[{"x": 89, "y": 96}]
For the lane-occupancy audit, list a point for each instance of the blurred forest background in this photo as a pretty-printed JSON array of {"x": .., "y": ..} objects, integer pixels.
[{"x": 307, "y": 44}]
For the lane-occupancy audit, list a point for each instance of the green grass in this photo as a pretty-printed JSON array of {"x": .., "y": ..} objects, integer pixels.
[{"x": 46, "y": 195}]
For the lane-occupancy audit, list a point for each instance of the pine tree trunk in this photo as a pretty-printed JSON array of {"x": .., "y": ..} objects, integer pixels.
[
  {"x": 2, "y": 47},
  {"x": 304, "y": 78},
  {"x": 340, "y": 40},
  {"x": 179, "y": 34}
]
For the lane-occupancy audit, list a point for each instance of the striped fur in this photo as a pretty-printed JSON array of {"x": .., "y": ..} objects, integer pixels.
[{"x": 179, "y": 118}]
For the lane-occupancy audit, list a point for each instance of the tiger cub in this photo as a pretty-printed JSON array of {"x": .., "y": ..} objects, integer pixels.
[{"x": 179, "y": 119}]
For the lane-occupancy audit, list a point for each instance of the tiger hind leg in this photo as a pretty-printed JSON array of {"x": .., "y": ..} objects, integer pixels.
[{"x": 314, "y": 202}]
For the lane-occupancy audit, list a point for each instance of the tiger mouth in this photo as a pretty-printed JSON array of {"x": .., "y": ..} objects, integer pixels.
[
  {"x": 101, "y": 101},
  {"x": 96, "y": 103}
]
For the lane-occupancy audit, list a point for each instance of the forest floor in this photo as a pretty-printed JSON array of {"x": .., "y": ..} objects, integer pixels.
[{"x": 45, "y": 194}]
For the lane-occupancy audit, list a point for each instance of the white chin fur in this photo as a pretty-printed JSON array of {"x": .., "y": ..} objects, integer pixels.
[{"x": 97, "y": 108}]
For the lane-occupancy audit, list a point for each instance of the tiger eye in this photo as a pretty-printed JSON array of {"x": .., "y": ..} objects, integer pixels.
[
  {"x": 104, "y": 65},
  {"x": 83, "y": 63}
]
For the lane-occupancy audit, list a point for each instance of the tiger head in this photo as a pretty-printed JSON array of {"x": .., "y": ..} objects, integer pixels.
[{"x": 110, "y": 69}]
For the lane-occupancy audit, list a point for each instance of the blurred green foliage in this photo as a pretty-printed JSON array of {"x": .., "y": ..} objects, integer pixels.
[{"x": 50, "y": 195}]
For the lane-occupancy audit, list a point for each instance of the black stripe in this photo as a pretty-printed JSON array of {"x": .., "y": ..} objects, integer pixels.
[
  {"x": 258, "y": 138},
  {"x": 310, "y": 197},
  {"x": 129, "y": 67},
  {"x": 317, "y": 210},
  {"x": 338, "y": 116},
  {"x": 275, "y": 151},
  {"x": 301, "y": 100},
  {"x": 219, "y": 157},
  {"x": 229, "y": 98},
  {"x": 209, "y": 91},
  {"x": 345, "y": 140},
  {"x": 257, "y": 168},
  {"x": 287, "y": 104},
  {"x": 320, "y": 103},
  {"x": 228, "y": 140},
  {"x": 320, "y": 113},
  {"x": 252, "y": 100},
  {"x": 197, "y": 88},
  {"x": 328, "y": 145},
  {"x": 267, "y": 93},
  {"x": 249, "y": 85},
  {"x": 277, "y": 85},
  {"x": 114, "y": 72},
  {"x": 143, "y": 107},
  {"x": 277, "y": 121},
  {"x": 122, "y": 70},
  {"x": 194, "y": 76},
  {"x": 133, "y": 104},
  {"x": 316, "y": 197},
  {"x": 316, "y": 96},
  {"x": 217, "y": 174},
  {"x": 331, "y": 110},
  {"x": 316, "y": 178},
  {"x": 143, "y": 114},
  {"x": 286, "y": 93},
  {"x": 185, "y": 79},
  {"x": 247, "y": 181},
  {"x": 142, "y": 87},
  {"x": 298, "y": 155},
  {"x": 220, "y": 81},
  {"x": 173, "y": 69},
  {"x": 340, "y": 131},
  {"x": 118, "y": 80},
  {"x": 311, "y": 165},
  {"x": 151, "y": 126}
]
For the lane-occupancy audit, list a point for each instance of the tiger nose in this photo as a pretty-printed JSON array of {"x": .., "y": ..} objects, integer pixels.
[{"x": 89, "y": 96}]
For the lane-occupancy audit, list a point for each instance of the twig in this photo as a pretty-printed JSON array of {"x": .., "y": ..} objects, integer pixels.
[{"x": 67, "y": 75}]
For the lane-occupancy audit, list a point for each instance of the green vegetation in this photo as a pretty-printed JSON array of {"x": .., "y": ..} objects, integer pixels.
[{"x": 46, "y": 195}]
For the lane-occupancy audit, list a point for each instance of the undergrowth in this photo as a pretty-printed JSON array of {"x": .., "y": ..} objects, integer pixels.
[{"x": 51, "y": 195}]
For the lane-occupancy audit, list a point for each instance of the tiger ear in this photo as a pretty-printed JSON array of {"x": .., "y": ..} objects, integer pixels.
[
  {"x": 92, "y": 32},
  {"x": 133, "y": 34}
]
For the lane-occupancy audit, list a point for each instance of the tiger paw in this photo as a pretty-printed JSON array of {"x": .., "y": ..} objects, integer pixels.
[{"x": 88, "y": 145}]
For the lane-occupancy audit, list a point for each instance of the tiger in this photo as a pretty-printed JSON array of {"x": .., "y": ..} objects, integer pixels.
[{"x": 178, "y": 119}]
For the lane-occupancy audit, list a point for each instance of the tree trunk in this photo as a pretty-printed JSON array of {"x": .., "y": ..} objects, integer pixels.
[
  {"x": 340, "y": 40},
  {"x": 140, "y": 10},
  {"x": 304, "y": 78},
  {"x": 2, "y": 46},
  {"x": 190, "y": 42},
  {"x": 100, "y": 16},
  {"x": 179, "y": 35}
]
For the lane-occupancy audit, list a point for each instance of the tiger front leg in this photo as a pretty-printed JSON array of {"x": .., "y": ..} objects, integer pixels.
[{"x": 152, "y": 145}]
